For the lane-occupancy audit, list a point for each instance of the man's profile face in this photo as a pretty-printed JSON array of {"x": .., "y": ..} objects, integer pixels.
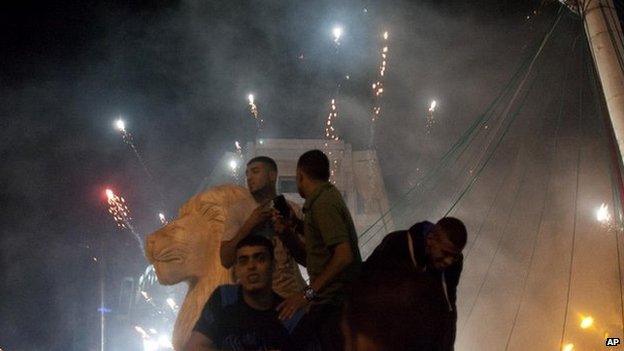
[
  {"x": 300, "y": 183},
  {"x": 440, "y": 250},
  {"x": 259, "y": 176},
  {"x": 254, "y": 268}
]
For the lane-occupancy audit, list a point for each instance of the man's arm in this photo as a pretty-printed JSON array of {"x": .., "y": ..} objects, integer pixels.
[
  {"x": 227, "y": 251},
  {"x": 288, "y": 232},
  {"x": 199, "y": 342},
  {"x": 342, "y": 256}
]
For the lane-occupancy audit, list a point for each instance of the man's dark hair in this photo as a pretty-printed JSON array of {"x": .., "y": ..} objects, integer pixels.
[
  {"x": 266, "y": 160},
  {"x": 256, "y": 240},
  {"x": 455, "y": 230},
  {"x": 314, "y": 164}
]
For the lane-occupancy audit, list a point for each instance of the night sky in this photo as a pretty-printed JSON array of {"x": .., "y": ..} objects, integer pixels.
[{"x": 179, "y": 73}]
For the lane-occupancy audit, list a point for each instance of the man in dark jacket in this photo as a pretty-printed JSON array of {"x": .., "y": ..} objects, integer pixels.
[{"x": 428, "y": 252}]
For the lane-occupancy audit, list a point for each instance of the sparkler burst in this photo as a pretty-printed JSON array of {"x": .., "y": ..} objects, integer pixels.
[
  {"x": 118, "y": 208},
  {"x": 431, "y": 115},
  {"x": 602, "y": 214},
  {"x": 587, "y": 322},
  {"x": 253, "y": 109},
  {"x": 568, "y": 347}
]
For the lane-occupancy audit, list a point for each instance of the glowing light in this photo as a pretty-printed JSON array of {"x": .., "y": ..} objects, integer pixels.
[
  {"x": 337, "y": 32},
  {"x": 172, "y": 304},
  {"x": 145, "y": 295},
  {"x": 118, "y": 209},
  {"x": 153, "y": 331},
  {"x": 587, "y": 322},
  {"x": 162, "y": 218},
  {"x": 431, "y": 116},
  {"x": 602, "y": 214},
  {"x": 120, "y": 125},
  {"x": 150, "y": 345},
  {"x": 568, "y": 347},
  {"x": 141, "y": 331},
  {"x": 164, "y": 342},
  {"x": 253, "y": 109},
  {"x": 433, "y": 106},
  {"x": 233, "y": 165},
  {"x": 378, "y": 86}
]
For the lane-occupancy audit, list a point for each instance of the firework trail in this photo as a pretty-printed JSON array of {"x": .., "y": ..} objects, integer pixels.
[
  {"x": 378, "y": 86},
  {"x": 331, "y": 134},
  {"x": 235, "y": 163},
  {"x": 377, "y": 90},
  {"x": 253, "y": 109},
  {"x": 431, "y": 116},
  {"x": 120, "y": 125},
  {"x": 118, "y": 208}
]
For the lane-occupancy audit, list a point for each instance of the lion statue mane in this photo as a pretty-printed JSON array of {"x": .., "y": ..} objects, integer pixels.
[{"x": 187, "y": 249}]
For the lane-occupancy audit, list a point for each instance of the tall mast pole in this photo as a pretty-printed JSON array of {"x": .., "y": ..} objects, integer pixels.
[{"x": 604, "y": 35}]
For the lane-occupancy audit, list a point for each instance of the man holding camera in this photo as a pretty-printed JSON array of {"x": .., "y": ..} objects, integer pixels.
[
  {"x": 261, "y": 174},
  {"x": 330, "y": 252}
]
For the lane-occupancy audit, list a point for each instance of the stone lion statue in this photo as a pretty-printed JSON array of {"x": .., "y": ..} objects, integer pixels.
[{"x": 187, "y": 250}]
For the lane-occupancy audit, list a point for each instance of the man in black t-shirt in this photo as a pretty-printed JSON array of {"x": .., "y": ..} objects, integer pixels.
[{"x": 244, "y": 316}]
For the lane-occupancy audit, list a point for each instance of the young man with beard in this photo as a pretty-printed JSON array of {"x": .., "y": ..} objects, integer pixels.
[
  {"x": 330, "y": 252},
  {"x": 261, "y": 174},
  {"x": 432, "y": 255},
  {"x": 244, "y": 317}
]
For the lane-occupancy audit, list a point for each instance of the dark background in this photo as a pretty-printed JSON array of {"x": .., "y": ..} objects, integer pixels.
[{"x": 179, "y": 73}]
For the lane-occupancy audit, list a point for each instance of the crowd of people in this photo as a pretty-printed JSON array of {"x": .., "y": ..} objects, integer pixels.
[{"x": 401, "y": 298}]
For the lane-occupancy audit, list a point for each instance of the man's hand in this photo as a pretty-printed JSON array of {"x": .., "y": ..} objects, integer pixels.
[
  {"x": 260, "y": 215},
  {"x": 291, "y": 305}
]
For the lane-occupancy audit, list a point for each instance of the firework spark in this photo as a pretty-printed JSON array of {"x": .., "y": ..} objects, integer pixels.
[
  {"x": 337, "y": 32},
  {"x": 163, "y": 219},
  {"x": 120, "y": 125},
  {"x": 378, "y": 86},
  {"x": 118, "y": 208},
  {"x": 602, "y": 214},
  {"x": 331, "y": 134},
  {"x": 431, "y": 115},
  {"x": 253, "y": 109}
]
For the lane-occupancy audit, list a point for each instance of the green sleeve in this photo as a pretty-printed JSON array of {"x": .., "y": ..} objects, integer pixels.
[{"x": 329, "y": 218}]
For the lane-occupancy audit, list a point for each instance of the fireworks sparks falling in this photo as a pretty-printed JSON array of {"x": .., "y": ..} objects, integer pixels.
[
  {"x": 378, "y": 86},
  {"x": 253, "y": 109},
  {"x": 120, "y": 125},
  {"x": 431, "y": 115},
  {"x": 568, "y": 347},
  {"x": 330, "y": 131},
  {"x": 331, "y": 134},
  {"x": 118, "y": 208}
]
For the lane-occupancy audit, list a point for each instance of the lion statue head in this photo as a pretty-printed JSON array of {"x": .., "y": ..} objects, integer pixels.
[{"x": 187, "y": 250}]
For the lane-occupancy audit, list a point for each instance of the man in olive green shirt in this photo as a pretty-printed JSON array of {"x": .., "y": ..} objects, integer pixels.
[{"x": 330, "y": 252}]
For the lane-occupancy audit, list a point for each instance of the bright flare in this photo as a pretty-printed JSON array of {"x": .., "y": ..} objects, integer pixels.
[
  {"x": 587, "y": 322},
  {"x": 162, "y": 218},
  {"x": 120, "y": 125},
  {"x": 250, "y": 98},
  {"x": 141, "y": 331},
  {"x": 433, "y": 106},
  {"x": 568, "y": 347},
  {"x": 602, "y": 214},
  {"x": 337, "y": 32},
  {"x": 233, "y": 165}
]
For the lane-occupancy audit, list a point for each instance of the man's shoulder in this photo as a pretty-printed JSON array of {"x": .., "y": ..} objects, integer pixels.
[
  {"x": 226, "y": 295},
  {"x": 329, "y": 196}
]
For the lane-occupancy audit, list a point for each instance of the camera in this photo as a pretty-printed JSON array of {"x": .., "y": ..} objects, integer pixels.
[{"x": 280, "y": 204}]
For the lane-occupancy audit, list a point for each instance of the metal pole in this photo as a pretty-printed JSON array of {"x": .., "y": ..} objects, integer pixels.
[{"x": 604, "y": 35}]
